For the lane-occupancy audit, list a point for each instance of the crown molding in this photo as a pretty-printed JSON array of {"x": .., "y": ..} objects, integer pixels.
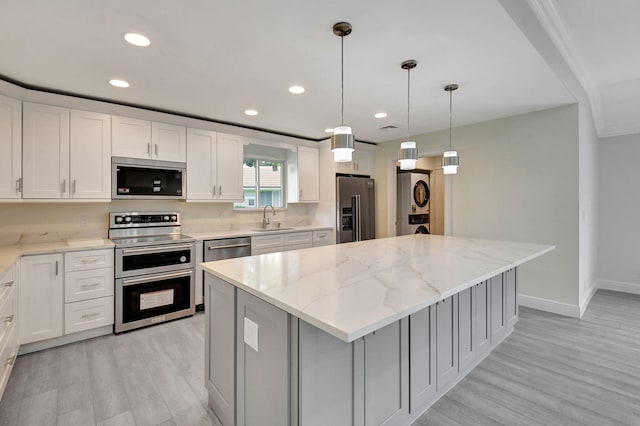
[{"x": 556, "y": 29}]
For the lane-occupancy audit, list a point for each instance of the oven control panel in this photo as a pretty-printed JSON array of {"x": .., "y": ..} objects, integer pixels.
[{"x": 134, "y": 219}]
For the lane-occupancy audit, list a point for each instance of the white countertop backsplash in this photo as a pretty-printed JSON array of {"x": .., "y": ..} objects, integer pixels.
[{"x": 350, "y": 290}]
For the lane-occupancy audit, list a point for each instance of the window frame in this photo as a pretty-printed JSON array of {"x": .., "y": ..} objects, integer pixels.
[{"x": 283, "y": 186}]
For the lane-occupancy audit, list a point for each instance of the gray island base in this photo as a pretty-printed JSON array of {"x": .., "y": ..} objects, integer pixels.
[{"x": 271, "y": 362}]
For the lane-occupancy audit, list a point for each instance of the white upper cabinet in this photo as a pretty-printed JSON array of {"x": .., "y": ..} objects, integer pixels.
[
  {"x": 10, "y": 148},
  {"x": 303, "y": 180},
  {"x": 169, "y": 142},
  {"x": 362, "y": 162},
  {"x": 66, "y": 153},
  {"x": 130, "y": 137},
  {"x": 214, "y": 166},
  {"x": 229, "y": 156},
  {"x": 90, "y": 155},
  {"x": 45, "y": 156},
  {"x": 143, "y": 139}
]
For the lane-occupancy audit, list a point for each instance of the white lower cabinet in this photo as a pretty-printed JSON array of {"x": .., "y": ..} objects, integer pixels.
[
  {"x": 322, "y": 238},
  {"x": 274, "y": 243},
  {"x": 88, "y": 314},
  {"x": 64, "y": 294},
  {"x": 88, "y": 290},
  {"x": 41, "y": 297},
  {"x": 8, "y": 321},
  {"x": 267, "y": 244}
]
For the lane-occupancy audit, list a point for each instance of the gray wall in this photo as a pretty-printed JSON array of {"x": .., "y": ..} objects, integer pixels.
[
  {"x": 518, "y": 181},
  {"x": 619, "y": 213}
]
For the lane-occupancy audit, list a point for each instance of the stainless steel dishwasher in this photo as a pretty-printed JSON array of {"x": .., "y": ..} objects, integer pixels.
[{"x": 226, "y": 248}]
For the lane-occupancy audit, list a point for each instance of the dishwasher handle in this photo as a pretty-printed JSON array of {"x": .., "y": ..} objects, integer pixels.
[{"x": 228, "y": 246}]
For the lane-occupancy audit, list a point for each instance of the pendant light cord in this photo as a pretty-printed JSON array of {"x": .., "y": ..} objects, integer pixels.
[
  {"x": 342, "y": 80},
  {"x": 408, "y": 99},
  {"x": 450, "y": 121}
]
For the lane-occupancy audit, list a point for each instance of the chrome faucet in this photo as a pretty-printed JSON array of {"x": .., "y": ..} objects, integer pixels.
[{"x": 265, "y": 220}]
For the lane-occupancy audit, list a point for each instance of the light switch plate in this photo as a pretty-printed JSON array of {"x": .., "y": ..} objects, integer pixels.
[{"x": 251, "y": 334}]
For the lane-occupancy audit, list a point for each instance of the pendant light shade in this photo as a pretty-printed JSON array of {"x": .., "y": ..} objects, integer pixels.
[
  {"x": 342, "y": 139},
  {"x": 450, "y": 159},
  {"x": 342, "y": 144},
  {"x": 408, "y": 154}
]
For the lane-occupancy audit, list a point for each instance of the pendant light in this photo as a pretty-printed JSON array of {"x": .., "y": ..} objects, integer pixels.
[
  {"x": 408, "y": 151},
  {"x": 342, "y": 139},
  {"x": 450, "y": 159}
]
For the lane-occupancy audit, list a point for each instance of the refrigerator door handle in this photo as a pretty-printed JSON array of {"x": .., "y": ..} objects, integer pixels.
[{"x": 357, "y": 228}]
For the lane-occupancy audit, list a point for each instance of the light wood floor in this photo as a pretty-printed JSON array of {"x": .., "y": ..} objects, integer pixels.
[{"x": 552, "y": 371}]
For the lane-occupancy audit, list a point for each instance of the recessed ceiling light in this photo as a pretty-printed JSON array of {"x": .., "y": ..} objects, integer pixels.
[
  {"x": 380, "y": 115},
  {"x": 328, "y": 130},
  {"x": 118, "y": 83},
  {"x": 296, "y": 89},
  {"x": 137, "y": 39},
  {"x": 251, "y": 112}
]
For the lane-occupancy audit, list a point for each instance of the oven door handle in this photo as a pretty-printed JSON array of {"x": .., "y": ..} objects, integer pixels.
[
  {"x": 228, "y": 246},
  {"x": 157, "y": 249},
  {"x": 149, "y": 279}
]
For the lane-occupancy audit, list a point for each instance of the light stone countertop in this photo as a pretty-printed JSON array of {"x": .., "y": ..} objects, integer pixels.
[
  {"x": 350, "y": 290},
  {"x": 212, "y": 235},
  {"x": 10, "y": 253}
]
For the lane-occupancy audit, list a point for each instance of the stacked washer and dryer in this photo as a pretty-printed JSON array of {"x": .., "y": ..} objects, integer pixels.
[{"x": 413, "y": 204}]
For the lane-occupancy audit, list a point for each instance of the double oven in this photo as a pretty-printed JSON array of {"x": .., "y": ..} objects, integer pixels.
[{"x": 154, "y": 269}]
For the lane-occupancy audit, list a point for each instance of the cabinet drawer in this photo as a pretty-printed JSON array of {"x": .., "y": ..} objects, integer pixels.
[
  {"x": 90, "y": 259},
  {"x": 267, "y": 241},
  {"x": 322, "y": 238},
  {"x": 7, "y": 283},
  {"x": 91, "y": 284},
  {"x": 7, "y": 317},
  {"x": 297, "y": 246},
  {"x": 297, "y": 238},
  {"x": 88, "y": 314},
  {"x": 8, "y": 355}
]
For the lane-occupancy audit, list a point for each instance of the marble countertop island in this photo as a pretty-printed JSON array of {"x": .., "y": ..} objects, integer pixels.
[{"x": 350, "y": 290}]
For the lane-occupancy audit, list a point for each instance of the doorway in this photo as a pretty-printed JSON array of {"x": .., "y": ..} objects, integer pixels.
[{"x": 407, "y": 192}]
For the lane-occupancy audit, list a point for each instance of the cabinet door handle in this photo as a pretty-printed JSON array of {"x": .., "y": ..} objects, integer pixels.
[
  {"x": 19, "y": 185},
  {"x": 56, "y": 268},
  {"x": 8, "y": 284},
  {"x": 220, "y": 190},
  {"x": 85, "y": 316},
  {"x": 64, "y": 186},
  {"x": 300, "y": 193},
  {"x": 149, "y": 149},
  {"x": 9, "y": 319},
  {"x": 214, "y": 189},
  {"x": 10, "y": 360},
  {"x": 73, "y": 186},
  {"x": 155, "y": 148}
]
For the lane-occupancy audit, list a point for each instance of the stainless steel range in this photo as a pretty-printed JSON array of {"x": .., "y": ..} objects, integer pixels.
[{"x": 154, "y": 269}]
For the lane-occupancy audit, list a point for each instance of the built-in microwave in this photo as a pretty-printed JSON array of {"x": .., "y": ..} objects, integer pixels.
[{"x": 135, "y": 178}]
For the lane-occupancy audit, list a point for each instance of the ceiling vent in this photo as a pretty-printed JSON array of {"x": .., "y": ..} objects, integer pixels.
[{"x": 389, "y": 127}]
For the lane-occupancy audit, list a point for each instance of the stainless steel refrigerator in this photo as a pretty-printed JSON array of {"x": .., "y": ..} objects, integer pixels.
[{"x": 356, "y": 218}]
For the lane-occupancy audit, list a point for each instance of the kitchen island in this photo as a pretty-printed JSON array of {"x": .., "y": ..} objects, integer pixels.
[{"x": 365, "y": 333}]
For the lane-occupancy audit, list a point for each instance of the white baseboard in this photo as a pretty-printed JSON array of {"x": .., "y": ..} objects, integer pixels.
[
  {"x": 585, "y": 303},
  {"x": 621, "y": 286},
  {"x": 547, "y": 305}
]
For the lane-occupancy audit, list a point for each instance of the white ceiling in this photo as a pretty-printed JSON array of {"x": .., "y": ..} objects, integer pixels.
[
  {"x": 600, "y": 41},
  {"x": 215, "y": 59}
]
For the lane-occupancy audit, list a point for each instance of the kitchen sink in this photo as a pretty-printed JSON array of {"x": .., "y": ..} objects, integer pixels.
[{"x": 270, "y": 229}]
